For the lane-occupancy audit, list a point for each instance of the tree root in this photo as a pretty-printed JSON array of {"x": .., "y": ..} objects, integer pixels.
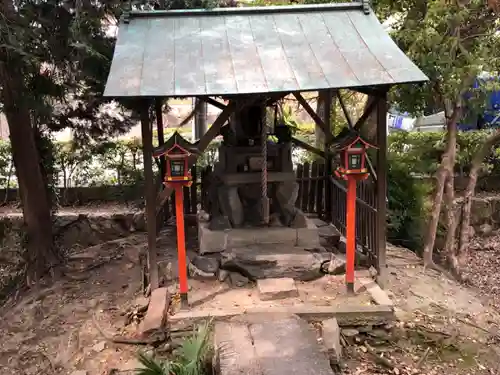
[
  {"x": 379, "y": 359},
  {"x": 423, "y": 358}
]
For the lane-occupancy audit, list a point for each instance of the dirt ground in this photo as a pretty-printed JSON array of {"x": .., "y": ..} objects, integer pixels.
[
  {"x": 52, "y": 330},
  {"x": 444, "y": 328}
]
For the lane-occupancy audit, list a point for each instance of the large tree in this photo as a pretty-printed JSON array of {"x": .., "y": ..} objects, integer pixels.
[
  {"x": 54, "y": 59},
  {"x": 453, "y": 42}
]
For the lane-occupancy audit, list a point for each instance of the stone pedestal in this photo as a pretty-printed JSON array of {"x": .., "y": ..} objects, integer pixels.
[{"x": 213, "y": 241}]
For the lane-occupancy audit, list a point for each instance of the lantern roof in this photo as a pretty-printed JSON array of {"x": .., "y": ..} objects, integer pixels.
[
  {"x": 176, "y": 144},
  {"x": 348, "y": 138}
]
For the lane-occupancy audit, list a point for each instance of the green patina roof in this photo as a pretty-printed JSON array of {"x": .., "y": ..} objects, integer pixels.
[{"x": 254, "y": 50}]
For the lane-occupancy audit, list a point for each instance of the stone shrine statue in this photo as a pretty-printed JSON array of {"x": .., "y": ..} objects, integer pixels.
[{"x": 235, "y": 184}]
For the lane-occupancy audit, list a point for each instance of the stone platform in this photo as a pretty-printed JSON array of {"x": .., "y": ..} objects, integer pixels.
[
  {"x": 212, "y": 241},
  {"x": 278, "y": 345}
]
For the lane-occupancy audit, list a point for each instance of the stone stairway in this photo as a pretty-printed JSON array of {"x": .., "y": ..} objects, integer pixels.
[{"x": 269, "y": 345}]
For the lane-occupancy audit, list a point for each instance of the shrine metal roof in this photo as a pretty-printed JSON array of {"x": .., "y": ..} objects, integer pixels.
[{"x": 247, "y": 50}]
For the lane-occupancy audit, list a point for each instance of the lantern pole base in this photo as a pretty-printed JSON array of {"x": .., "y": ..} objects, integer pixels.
[
  {"x": 184, "y": 301},
  {"x": 350, "y": 288}
]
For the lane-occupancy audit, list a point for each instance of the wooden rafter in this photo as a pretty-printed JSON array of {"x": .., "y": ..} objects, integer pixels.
[
  {"x": 378, "y": 92},
  {"x": 366, "y": 114},
  {"x": 344, "y": 109},
  {"x": 311, "y": 149},
  {"x": 326, "y": 129},
  {"x": 213, "y": 102}
]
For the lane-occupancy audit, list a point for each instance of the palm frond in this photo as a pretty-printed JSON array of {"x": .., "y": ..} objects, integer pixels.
[
  {"x": 190, "y": 357},
  {"x": 195, "y": 349},
  {"x": 152, "y": 366}
]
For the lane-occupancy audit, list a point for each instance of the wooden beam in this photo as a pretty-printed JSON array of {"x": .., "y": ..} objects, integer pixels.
[
  {"x": 366, "y": 114},
  {"x": 213, "y": 102},
  {"x": 147, "y": 153},
  {"x": 344, "y": 109},
  {"x": 305, "y": 146},
  {"x": 202, "y": 144},
  {"x": 381, "y": 198},
  {"x": 318, "y": 120},
  {"x": 379, "y": 91}
]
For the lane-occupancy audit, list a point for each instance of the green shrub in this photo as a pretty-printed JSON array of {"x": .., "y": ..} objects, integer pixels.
[
  {"x": 190, "y": 359},
  {"x": 406, "y": 206}
]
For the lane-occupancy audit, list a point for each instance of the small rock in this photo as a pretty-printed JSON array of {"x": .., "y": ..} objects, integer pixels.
[
  {"x": 99, "y": 347},
  {"x": 237, "y": 279},
  {"x": 273, "y": 289},
  {"x": 349, "y": 332},
  {"x": 274, "y": 221},
  {"x": 486, "y": 230},
  {"x": 79, "y": 372},
  {"x": 299, "y": 221},
  {"x": 379, "y": 333},
  {"x": 203, "y": 216},
  {"x": 373, "y": 272},
  {"x": 207, "y": 264},
  {"x": 139, "y": 221},
  {"x": 337, "y": 264},
  {"x": 195, "y": 272},
  {"x": 222, "y": 275},
  {"x": 141, "y": 302},
  {"x": 365, "y": 329}
]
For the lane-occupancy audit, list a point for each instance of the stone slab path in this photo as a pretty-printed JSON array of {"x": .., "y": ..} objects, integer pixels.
[{"x": 269, "y": 345}]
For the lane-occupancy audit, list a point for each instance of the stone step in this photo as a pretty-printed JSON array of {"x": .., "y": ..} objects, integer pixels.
[
  {"x": 269, "y": 346},
  {"x": 275, "y": 261}
]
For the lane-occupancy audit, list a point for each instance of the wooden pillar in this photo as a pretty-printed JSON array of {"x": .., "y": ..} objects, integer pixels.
[
  {"x": 163, "y": 216},
  {"x": 200, "y": 120},
  {"x": 327, "y": 110},
  {"x": 147, "y": 152},
  {"x": 159, "y": 130},
  {"x": 381, "y": 190}
]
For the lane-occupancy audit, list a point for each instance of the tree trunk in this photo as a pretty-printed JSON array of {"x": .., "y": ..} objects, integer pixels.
[
  {"x": 451, "y": 226},
  {"x": 319, "y": 136},
  {"x": 442, "y": 173},
  {"x": 33, "y": 191},
  {"x": 469, "y": 194},
  {"x": 368, "y": 129}
]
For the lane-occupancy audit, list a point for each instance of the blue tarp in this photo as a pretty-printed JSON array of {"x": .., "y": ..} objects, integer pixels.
[{"x": 491, "y": 115}]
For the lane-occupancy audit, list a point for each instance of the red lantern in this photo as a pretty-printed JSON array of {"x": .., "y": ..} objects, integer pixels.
[
  {"x": 177, "y": 152},
  {"x": 177, "y": 170},
  {"x": 351, "y": 149},
  {"x": 351, "y": 153}
]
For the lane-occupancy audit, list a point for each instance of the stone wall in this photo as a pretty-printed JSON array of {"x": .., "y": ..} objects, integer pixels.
[
  {"x": 485, "y": 214},
  {"x": 485, "y": 217},
  {"x": 79, "y": 229},
  {"x": 86, "y": 195}
]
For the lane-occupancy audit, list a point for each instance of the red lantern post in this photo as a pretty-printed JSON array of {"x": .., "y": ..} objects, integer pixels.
[
  {"x": 352, "y": 149},
  {"x": 177, "y": 176}
]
